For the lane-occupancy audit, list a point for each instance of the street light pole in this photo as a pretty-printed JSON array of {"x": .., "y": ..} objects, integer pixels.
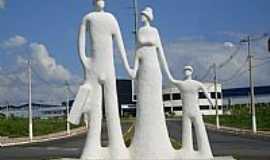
[
  {"x": 67, "y": 109},
  {"x": 251, "y": 81},
  {"x": 7, "y": 115},
  {"x": 30, "y": 101},
  {"x": 251, "y": 84},
  {"x": 216, "y": 97}
]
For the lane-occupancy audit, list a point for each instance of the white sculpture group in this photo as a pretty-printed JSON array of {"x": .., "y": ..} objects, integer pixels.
[{"x": 151, "y": 139}]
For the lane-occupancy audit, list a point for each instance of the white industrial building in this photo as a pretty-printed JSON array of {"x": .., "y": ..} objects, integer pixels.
[{"x": 173, "y": 103}]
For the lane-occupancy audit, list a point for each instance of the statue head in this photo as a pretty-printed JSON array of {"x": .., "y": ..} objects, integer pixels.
[
  {"x": 188, "y": 70},
  {"x": 147, "y": 14},
  {"x": 100, "y": 4}
]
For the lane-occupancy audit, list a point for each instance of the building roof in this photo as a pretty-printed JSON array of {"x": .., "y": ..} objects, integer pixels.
[{"x": 243, "y": 92}]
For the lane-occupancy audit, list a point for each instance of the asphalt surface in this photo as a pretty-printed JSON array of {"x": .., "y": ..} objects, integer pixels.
[{"x": 241, "y": 147}]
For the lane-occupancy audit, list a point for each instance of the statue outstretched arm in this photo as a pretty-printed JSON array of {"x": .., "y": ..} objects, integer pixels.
[
  {"x": 206, "y": 93},
  {"x": 81, "y": 42},
  {"x": 120, "y": 45},
  {"x": 163, "y": 60}
]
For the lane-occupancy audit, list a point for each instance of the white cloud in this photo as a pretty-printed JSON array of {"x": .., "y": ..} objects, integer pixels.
[
  {"x": 229, "y": 44},
  {"x": 48, "y": 77},
  {"x": 2, "y": 4},
  {"x": 14, "y": 42},
  {"x": 46, "y": 65}
]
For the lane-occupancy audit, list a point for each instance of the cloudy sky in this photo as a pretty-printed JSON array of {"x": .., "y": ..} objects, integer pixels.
[{"x": 193, "y": 32}]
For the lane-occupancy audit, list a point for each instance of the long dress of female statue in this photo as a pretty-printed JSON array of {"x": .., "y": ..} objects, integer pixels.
[{"x": 151, "y": 139}]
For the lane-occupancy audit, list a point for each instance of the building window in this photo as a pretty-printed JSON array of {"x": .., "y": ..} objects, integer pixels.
[
  {"x": 178, "y": 108},
  {"x": 213, "y": 95},
  {"x": 166, "y": 97},
  {"x": 204, "y": 107},
  {"x": 219, "y": 107},
  {"x": 167, "y": 109},
  {"x": 201, "y": 95},
  {"x": 176, "y": 96}
]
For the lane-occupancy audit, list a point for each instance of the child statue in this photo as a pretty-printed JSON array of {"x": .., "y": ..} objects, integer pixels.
[{"x": 189, "y": 89}]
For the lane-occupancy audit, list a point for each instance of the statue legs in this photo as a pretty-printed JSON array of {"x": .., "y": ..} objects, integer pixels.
[
  {"x": 92, "y": 149},
  {"x": 187, "y": 139},
  {"x": 202, "y": 138},
  {"x": 117, "y": 146},
  {"x": 204, "y": 149}
]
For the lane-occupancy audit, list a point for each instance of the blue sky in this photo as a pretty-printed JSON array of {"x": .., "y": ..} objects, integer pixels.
[{"x": 197, "y": 24}]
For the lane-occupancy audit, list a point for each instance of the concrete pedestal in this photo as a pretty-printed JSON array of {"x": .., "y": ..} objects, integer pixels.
[{"x": 216, "y": 158}]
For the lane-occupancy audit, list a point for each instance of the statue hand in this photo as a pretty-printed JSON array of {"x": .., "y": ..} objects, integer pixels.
[{"x": 132, "y": 73}]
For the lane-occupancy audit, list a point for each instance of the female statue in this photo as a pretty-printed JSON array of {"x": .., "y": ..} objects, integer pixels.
[{"x": 151, "y": 139}]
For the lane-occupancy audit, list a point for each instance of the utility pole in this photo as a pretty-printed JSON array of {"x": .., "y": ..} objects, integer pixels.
[
  {"x": 30, "y": 100},
  {"x": 136, "y": 20},
  {"x": 135, "y": 32},
  {"x": 67, "y": 109},
  {"x": 7, "y": 115},
  {"x": 86, "y": 118},
  {"x": 251, "y": 84},
  {"x": 268, "y": 44},
  {"x": 216, "y": 97}
]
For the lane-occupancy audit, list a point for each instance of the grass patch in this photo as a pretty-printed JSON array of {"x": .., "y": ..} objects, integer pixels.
[
  {"x": 241, "y": 118},
  {"x": 18, "y": 127},
  {"x": 130, "y": 133}
]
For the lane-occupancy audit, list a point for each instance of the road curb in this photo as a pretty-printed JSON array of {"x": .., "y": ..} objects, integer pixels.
[
  {"x": 45, "y": 138},
  {"x": 237, "y": 131},
  {"x": 234, "y": 131}
]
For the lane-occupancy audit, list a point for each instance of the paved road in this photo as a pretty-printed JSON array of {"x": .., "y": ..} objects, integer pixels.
[{"x": 242, "y": 148}]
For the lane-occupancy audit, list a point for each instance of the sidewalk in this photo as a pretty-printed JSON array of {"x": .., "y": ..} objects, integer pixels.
[
  {"x": 5, "y": 141},
  {"x": 237, "y": 131}
]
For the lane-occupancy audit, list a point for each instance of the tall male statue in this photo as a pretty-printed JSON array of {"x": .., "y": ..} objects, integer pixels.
[{"x": 99, "y": 69}]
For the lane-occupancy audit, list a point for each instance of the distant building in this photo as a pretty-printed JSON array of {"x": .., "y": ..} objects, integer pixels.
[
  {"x": 242, "y": 95},
  {"x": 173, "y": 103},
  {"x": 124, "y": 90},
  {"x": 172, "y": 100},
  {"x": 38, "y": 110},
  {"x": 127, "y": 103}
]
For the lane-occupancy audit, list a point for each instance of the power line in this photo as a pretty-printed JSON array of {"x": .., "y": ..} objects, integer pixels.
[
  {"x": 261, "y": 64},
  {"x": 262, "y": 58},
  {"x": 238, "y": 71},
  {"x": 232, "y": 56},
  {"x": 224, "y": 63},
  {"x": 207, "y": 73}
]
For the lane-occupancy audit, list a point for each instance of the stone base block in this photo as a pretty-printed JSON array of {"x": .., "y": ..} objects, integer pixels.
[{"x": 216, "y": 158}]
